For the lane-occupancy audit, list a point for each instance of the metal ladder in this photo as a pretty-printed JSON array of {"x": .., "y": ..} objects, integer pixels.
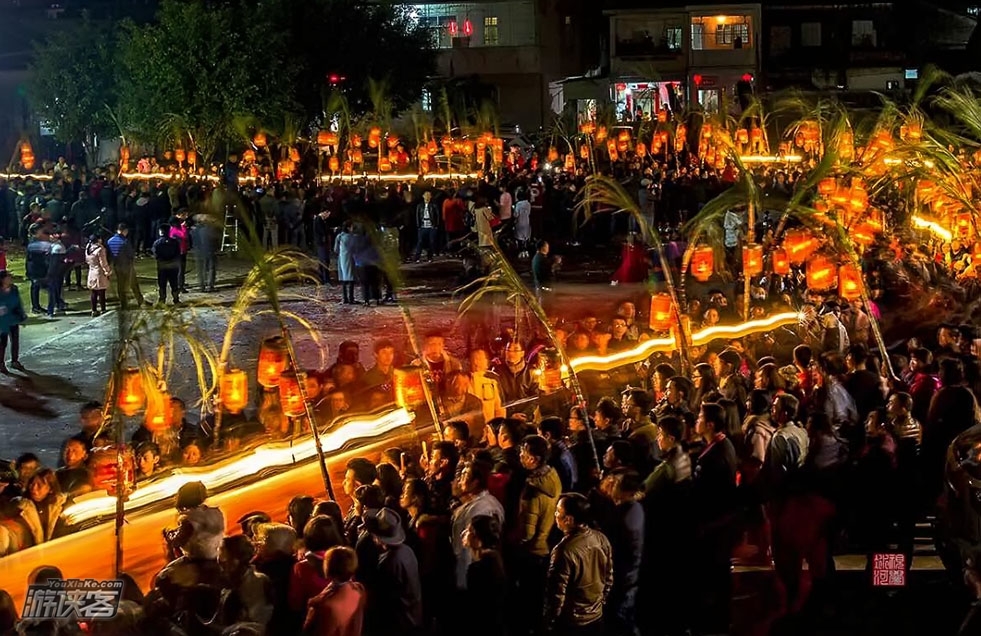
[{"x": 229, "y": 233}]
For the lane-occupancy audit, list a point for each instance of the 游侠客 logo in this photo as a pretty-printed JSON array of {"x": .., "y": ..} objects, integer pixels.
[{"x": 81, "y": 599}]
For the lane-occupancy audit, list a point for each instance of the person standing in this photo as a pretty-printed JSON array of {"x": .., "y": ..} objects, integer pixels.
[
  {"x": 321, "y": 240},
  {"x": 345, "y": 246},
  {"x": 57, "y": 267},
  {"x": 206, "y": 239},
  {"x": 580, "y": 572},
  {"x": 122, "y": 258},
  {"x": 38, "y": 251},
  {"x": 167, "y": 251},
  {"x": 397, "y": 593},
  {"x": 12, "y": 315},
  {"x": 339, "y": 609},
  {"x": 180, "y": 233},
  {"x": 427, "y": 223},
  {"x": 99, "y": 273}
]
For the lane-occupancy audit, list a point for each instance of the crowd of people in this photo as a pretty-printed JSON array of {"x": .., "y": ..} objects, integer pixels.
[{"x": 532, "y": 512}]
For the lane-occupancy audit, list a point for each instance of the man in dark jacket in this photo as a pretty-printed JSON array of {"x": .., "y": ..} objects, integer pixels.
[
  {"x": 625, "y": 530},
  {"x": 37, "y": 261},
  {"x": 427, "y": 224},
  {"x": 396, "y": 600},
  {"x": 580, "y": 572},
  {"x": 515, "y": 374},
  {"x": 323, "y": 241},
  {"x": 122, "y": 257},
  {"x": 206, "y": 240},
  {"x": 167, "y": 251},
  {"x": 560, "y": 457}
]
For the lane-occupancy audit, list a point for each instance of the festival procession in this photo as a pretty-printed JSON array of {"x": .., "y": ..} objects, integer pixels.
[{"x": 687, "y": 372}]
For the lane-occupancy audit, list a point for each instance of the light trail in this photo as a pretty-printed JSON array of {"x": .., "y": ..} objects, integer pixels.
[
  {"x": 215, "y": 477},
  {"x": 925, "y": 224}
]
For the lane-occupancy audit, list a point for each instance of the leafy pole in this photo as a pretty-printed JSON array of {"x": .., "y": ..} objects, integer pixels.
[{"x": 502, "y": 278}]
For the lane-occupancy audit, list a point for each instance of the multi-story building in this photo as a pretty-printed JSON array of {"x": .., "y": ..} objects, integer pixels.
[
  {"x": 679, "y": 54},
  {"x": 518, "y": 47}
]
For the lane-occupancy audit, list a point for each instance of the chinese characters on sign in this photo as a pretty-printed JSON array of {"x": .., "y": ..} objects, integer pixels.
[
  {"x": 80, "y": 599},
  {"x": 889, "y": 570}
]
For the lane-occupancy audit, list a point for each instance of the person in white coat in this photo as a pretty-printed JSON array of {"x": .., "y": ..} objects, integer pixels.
[
  {"x": 99, "y": 272},
  {"x": 345, "y": 246}
]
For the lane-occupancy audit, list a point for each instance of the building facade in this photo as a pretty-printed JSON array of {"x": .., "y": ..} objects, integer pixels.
[{"x": 518, "y": 47}]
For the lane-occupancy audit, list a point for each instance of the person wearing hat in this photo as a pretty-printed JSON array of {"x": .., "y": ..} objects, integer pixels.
[
  {"x": 167, "y": 251},
  {"x": 396, "y": 600}
]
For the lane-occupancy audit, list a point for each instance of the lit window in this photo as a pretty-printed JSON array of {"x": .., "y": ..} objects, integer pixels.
[
  {"x": 736, "y": 35},
  {"x": 697, "y": 41},
  {"x": 975, "y": 11},
  {"x": 426, "y": 100},
  {"x": 491, "y": 36},
  {"x": 672, "y": 37}
]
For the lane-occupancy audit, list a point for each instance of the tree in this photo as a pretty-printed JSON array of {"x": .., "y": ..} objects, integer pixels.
[
  {"x": 192, "y": 78},
  {"x": 351, "y": 41},
  {"x": 71, "y": 84}
]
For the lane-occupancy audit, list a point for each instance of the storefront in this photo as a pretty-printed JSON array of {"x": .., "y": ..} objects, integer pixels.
[{"x": 643, "y": 100}]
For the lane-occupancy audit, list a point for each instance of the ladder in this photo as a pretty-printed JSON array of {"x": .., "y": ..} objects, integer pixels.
[{"x": 229, "y": 233}]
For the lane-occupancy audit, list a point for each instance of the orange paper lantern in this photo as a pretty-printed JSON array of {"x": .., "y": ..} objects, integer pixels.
[
  {"x": 799, "y": 245},
  {"x": 584, "y": 152},
  {"x": 385, "y": 165},
  {"x": 962, "y": 225},
  {"x": 234, "y": 390},
  {"x": 393, "y": 143},
  {"x": 742, "y": 136},
  {"x": 553, "y": 154},
  {"x": 259, "y": 140},
  {"x": 290, "y": 397},
  {"x": 357, "y": 156},
  {"x": 756, "y": 135},
  {"x": 849, "y": 282},
  {"x": 159, "y": 412},
  {"x": 570, "y": 163},
  {"x": 976, "y": 254},
  {"x": 333, "y": 164},
  {"x": 132, "y": 397},
  {"x": 752, "y": 259},
  {"x": 821, "y": 273},
  {"x": 826, "y": 187},
  {"x": 294, "y": 155},
  {"x": 601, "y": 134},
  {"x": 192, "y": 157},
  {"x": 179, "y": 155},
  {"x": 409, "y": 390},
  {"x": 662, "y": 116},
  {"x": 661, "y": 315},
  {"x": 863, "y": 233},
  {"x": 779, "y": 262},
  {"x": 248, "y": 155},
  {"x": 702, "y": 263},
  {"x": 273, "y": 355}
]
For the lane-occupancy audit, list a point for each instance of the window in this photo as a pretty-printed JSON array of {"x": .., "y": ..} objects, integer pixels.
[
  {"x": 735, "y": 35},
  {"x": 426, "y": 101},
  {"x": 672, "y": 37},
  {"x": 491, "y": 36},
  {"x": 810, "y": 34},
  {"x": 975, "y": 11},
  {"x": 697, "y": 40},
  {"x": 863, "y": 33},
  {"x": 720, "y": 32},
  {"x": 779, "y": 39}
]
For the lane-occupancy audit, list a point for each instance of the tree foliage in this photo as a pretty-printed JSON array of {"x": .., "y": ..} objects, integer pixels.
[
  {"x": 71, "y": 83},
  {"x": 188, "y": 79}
]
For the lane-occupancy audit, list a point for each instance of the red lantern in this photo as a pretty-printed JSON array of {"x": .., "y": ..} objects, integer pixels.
[
  {"x": 611, "y": 149},
  {"x": 192, "y": 157},
  {"x": 826, "y": 187},
  {"x": 290, "y": 397},
  {"x": 348, "y": 167},
  {"x": 702, "y": 263},
  {"x": 356, "y": 140},
  {"x": 259, "y": 140},
  {"x": 863, "y": 233},
  {"x": 752, "y": 259},
  {"x": 799, "y": 245},
  {"x": 357, "y": 157},
  {"x": 821, "y": 273},
  {"x": 570, "y": 163},
  {"x": 234, "y": 390},
  {"x": 467, "y": 27},
  {"x": 584, "y": 152},
  {"x": 385, "y": 165},
  {"x": 249, "y": 155},
  {"x": 849, "y": 282},
  {"x": 333, "y": 164},
  {"x": 661, "y": 315},
  {"x": 756, "y": 135},
  {"x": 132, "y": 397},
  {"x": 779, "y": 262},
  {"x": 662, "y": 116},
  {"x": 858, "y": 198},
  {"x": 641, "y": 149},
  {"x": 553, "y": 154},
  {"x": 742, "y": 136},
  {"x": 179, "y": 155},
  {"x": 103, "y": 469},
  {"x": 273, "y": 355},
  {"x": 294, "y": 155},
  {"x": 409, "y": 390},
  {"x": 601, "y": 134},
  {"x": 159, "y": 412}
]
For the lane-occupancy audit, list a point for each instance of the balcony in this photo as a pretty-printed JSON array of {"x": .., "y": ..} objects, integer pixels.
[
  {"x": 491, "y": 60},
  {"x": 646, "y": 48}
]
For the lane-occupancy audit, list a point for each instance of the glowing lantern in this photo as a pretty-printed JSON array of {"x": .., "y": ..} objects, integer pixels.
[
  {"x": 820, "y": 273},
  {"x": 393, "y": 143},
  {"x": 570, "y": 162},
  {"x": 623, "y": 136},
  {"x": 821, "y": 206},
  {"x": 641, "y": 149},
  {"x": 28, "y": 162},
  {"x": 976, "y": 253},
  {"x": 322, "y": 137},
  {"x": 779, "y": 262},
  {"x": 132, "y": 397},
  {"x": 234, "y": 390},
  {"x": 752, "y": 259},
  {"x": 124, "y": 154},
  {"x": 385, "y": 165},
  {"x": 849, "y": 282},
  {"x": 103, "y": 469},
  {"x": 374, "y": 137},
  {"x": 623, "y": 146},
  {"x": 348, "y": 167},
  {"x": 192, "y": 157},
  {"x": 409, "y": 390},
  {"x": 553, "y": 154},
  {"x": 702, "y": 263},
  {"x": 584, "y": 152},
  {"x": 249, "y": 155},
  {"x": 290, "y": 397},
  {"x": 826, "y": 187},
  {"x": 858, "y": 198},
  {"x": 756, "y": 135},
  {"x": 742, "y": 136},
  {"x": 356, "y": 140},
  {"x": 587, "y": 128},
  {"x": 962, "y": 224},
  {"x": 799, "y": 245},
  {"x": 25, "y": 148},
  {"x": 601, "y": 134},
  {"x": 433, "y": 148},
  {"x": 452, "y": 28},
  {"x": 661, "y": 315},
  {"x": 357, "y": 156},
  {"x": 333, "y": 164},
  {"x": 273, "y": 355},
  {"x": 259, "y": 140},
  {"x": 294, "y": 155},
  {"x": 707, "y": 131},
  {"x": 662, "y": 116},
  {"x": 467, "y": 27},
  {"x": 159, "y": 412},
  {"x": 863, "y": 234},
  {"x": 179, "y": 155},
  {"x": 611, "y": 148}
]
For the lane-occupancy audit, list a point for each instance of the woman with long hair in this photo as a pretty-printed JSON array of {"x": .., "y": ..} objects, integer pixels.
[{"x": 99, "y": 273}]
